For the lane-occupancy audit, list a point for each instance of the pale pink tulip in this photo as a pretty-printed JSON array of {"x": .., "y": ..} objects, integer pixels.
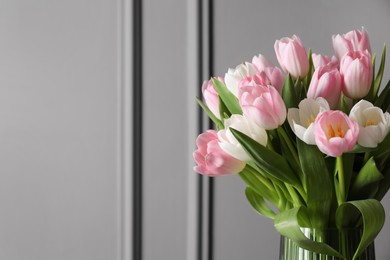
[
  {"x": 335, "y": 133},
  {"x": 322, "y": 60},
  {"x": 211, "y": 159},
  {"x": 272, "y": 75},
  {"x": 292, "y": 56},
  {"x": 352, "y": 41},
  {"x": 211, "y": 97},
  {"x": 356, "y": 73},
  {"x": 326, "y": 83},
  {"x": 262, "y": 104}
]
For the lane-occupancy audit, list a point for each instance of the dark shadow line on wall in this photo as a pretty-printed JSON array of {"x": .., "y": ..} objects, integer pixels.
[
  {"x": 137, "y": 130},
  {"x": 200, "y": 194},
  {"x": 211, "y": 198}
]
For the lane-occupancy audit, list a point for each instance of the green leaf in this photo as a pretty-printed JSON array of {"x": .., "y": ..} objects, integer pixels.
[
  {"x": 384, "y": 185},
  {"x": 271, "y": 162},
  {"x": 288, "y": 93},
  {"x": 288, "y": 223},
  {"x": 383, "y": 101},
  {"x": 258, "y": 203},
  {"x": 311, "y": 70},
  {"x": 379, "y": 76},
  {"x": 230, "y": 101},
  {"x": 318, "y": 181},
  {"x": 343, "y": 104},
  {"x": 260, "y": 184},
  {"x": 366, "y": 182},
  {"x": 383, "y": 148},
  {"x": 216, "y": 121},
  {"x": 373, "y": 218}
]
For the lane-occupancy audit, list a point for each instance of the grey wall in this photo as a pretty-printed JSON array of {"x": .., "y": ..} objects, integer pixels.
[{"x": 61, "y": 124}]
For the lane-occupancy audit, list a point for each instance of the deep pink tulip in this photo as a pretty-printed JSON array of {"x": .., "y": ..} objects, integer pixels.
[
  {"x": 292, "y": 56},
  {"x": 356, "y": 73},
  {"x": 326, "y": 83},
  {"x": 272, "y": 75},
  {"x": 211, "y": 97},
  {"x": 335, "y": 133},
  {"x": 322, "y": 60},
  {"x": 211, "y": 159},
  {"x": 262, "y": 104},
  {"x": 352, "y": 41}
]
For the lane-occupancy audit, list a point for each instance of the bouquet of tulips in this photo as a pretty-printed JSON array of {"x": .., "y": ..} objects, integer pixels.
[{"x": 310, "y": 140}]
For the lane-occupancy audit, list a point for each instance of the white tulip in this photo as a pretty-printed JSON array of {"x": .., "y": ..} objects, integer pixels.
[
  {"x": 234, "y": 76},
  {"x": 229, "y": 143},
  {"x": 302, "y": 119},
  {"x": 374, "y": 125}
]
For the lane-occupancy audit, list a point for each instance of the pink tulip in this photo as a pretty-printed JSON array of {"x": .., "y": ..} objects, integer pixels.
[
  {"x": 262, "y": 104},
  {"x": 292, "y": 56},
  {"x": 322, "y": 60},
  {"x": 326, "y": 83},
  {"x": 211, "y": 97},
  {"x": 211, "y": 159},
  {"x": 356, "y": 73},
  {"x": 351, "y": 41},
  {"x": 272, "y": 75},
  {"x": 335, "y": 133}
]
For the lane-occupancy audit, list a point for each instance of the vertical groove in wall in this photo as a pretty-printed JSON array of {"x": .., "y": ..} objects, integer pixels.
[
  {"x": 137, "y": 130},
  {"x": 210, "y": 38},
  {"x": 200, "y": 127}
]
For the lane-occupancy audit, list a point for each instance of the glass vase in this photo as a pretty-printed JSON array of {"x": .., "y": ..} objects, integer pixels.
[{"x": 346, "y": 242}]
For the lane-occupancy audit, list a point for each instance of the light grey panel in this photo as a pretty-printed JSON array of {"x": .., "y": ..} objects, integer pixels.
[
  {"x": 166, "y": 130},
  {"x": 59, "y": 158},
  {"x": 247, "y": 28}
]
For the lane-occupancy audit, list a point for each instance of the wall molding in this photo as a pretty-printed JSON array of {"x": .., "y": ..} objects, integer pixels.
[
  {"x": 125, "y": 131},
  {"x": 200, "y": 62}
]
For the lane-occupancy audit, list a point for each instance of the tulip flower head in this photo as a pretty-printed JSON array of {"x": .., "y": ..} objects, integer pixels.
[
  {"x": 302, "y": 119},
  {"x": 335, "y": 133},
  {"x": 356, "y": 73},
  {"x": 352, "y": 41},
  {"x": 211, "y": 97},
  {"x": 374, "y": 125},
  {"x": 292, "y": 56},
  {"x": 323, "y": 60},
  {"x": 326, "y": 83},
  {"x": 211, "y": 159},
  {"x": 234, "y": 76},
  {"x": 262, "y": 104}
]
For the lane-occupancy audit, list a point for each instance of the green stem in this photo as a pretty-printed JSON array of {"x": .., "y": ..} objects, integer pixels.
[
  {"x": 340, "y": 171},
  {"x": 262, "y": 178},
  {"x": 290, "y": 146}
]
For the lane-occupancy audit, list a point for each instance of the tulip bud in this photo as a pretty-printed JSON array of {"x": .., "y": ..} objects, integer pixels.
[
  {"x": 211, "y": 97},
  {"x": 263, "y": 105},
  {"x": 351, "y": 41},
  {"x": 234, "y": 76},
  {"x": 211, "y": 159},
  {"x": 272, "y": 75},
  {"x": 326, "y": 83},
  {"x": 356, "y": 73},
  {"x": 292, "y": 56},
  {"x": 322, "y": 60}
]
